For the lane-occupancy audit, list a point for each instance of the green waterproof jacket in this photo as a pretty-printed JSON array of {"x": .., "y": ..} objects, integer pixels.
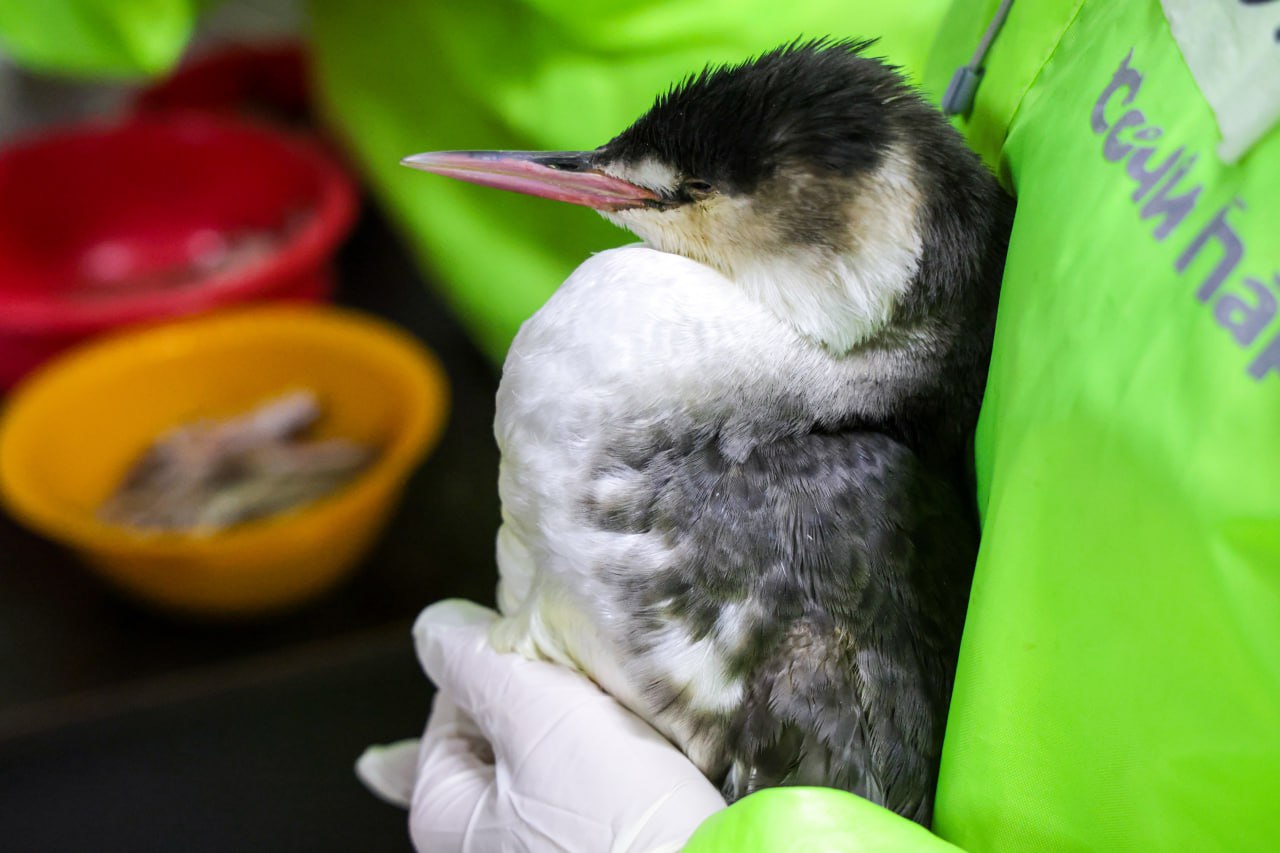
[{"x": 1119, "y": 682}]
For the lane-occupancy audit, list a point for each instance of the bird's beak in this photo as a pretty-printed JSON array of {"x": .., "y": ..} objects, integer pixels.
[{"x": 560, "y": 175}]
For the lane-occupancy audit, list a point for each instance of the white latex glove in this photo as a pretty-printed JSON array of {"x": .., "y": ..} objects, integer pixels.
[{"x": 530, "y": 756}]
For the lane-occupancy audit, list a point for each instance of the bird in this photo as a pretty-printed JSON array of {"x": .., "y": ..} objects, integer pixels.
[{"x": 736, "y": 467}]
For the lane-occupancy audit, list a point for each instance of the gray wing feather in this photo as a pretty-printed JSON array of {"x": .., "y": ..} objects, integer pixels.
[
  {"x": 855, "y": 690},
  {"x": 857, "y": 558}
]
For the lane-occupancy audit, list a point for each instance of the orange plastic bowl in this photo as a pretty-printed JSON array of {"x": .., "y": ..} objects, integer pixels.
[{"x": 74, "y": 428}]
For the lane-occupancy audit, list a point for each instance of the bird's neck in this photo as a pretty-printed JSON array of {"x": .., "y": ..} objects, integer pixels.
[
  {"x": 851, "y": 260},
  {"x": 837, "y": 300}
]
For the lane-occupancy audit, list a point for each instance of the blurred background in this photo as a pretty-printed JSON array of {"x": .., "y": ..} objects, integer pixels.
[
  {"x": 164, "y": 166},
  {"x": 127, "y": 724}
]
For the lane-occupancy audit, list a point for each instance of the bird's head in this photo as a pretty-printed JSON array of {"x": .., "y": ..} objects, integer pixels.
[{"x": 797, "y": 174}]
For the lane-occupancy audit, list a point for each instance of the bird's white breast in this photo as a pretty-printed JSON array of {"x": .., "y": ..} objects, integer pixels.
[{"x": 635, "y": 341}]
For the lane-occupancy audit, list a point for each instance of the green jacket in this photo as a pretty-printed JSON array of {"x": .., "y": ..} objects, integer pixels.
[{"x": 1119, "y": 683}]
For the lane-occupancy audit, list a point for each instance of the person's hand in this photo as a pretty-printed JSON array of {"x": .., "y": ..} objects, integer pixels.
[{"x": 528, "y": 755}]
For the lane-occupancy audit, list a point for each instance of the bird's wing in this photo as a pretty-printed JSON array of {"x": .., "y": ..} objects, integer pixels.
[
  {"x": 854, "y": 690},
  {"x": 830, "y": 573}
]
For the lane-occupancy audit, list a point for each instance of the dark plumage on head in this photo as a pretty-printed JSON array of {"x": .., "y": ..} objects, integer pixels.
[
  {"x": 814, "y": 176},
  {"x": 822, "y": 105}
]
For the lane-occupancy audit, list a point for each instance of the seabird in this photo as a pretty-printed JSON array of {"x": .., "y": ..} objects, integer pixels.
[{"x": 736, "y": 469}]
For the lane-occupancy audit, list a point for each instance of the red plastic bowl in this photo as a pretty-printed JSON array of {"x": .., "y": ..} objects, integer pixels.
[{"x": 106, "y": 226}]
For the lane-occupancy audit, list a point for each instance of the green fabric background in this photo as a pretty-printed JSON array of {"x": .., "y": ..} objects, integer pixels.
[{"x": 1119, "y": 686}]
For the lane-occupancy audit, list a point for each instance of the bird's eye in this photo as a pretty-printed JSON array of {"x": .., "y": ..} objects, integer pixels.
[{"x": 697, "y": 187}]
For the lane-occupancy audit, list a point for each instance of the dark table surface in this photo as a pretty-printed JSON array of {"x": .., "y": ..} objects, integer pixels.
[{"x": 122, "y": 729}]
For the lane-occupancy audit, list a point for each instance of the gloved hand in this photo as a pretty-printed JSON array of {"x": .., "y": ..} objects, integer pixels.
[{"x": 527, "y": 755}]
